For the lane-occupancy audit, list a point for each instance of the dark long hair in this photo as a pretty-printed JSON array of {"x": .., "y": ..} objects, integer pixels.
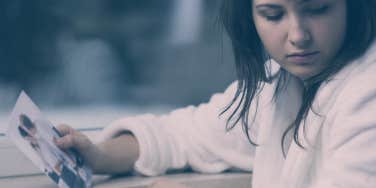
[{"x": 250, "y": 58}]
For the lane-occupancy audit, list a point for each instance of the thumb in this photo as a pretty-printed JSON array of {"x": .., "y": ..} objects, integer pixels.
[{"x": 74, "y": 140}]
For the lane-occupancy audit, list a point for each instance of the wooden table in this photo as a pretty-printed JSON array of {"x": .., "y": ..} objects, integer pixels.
[{"x": 194, "y": 180}]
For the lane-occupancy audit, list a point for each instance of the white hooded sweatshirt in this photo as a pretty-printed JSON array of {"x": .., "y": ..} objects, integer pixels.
[{"x": 339, "y": 136}]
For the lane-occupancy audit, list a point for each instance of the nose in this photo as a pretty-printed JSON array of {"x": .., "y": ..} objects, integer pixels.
[{"x": 299, "y": 34}]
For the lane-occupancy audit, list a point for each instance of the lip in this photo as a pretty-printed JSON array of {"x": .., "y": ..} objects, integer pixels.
[{"x": 302, "y": 58}]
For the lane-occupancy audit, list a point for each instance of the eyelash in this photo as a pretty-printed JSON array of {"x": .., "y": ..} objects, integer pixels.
[
  {"x": 311, "y": 11},
  {"x": 274, "y": 17}
]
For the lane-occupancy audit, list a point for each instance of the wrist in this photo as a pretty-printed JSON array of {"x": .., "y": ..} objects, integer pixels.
[{"x": 95, "y": 159}]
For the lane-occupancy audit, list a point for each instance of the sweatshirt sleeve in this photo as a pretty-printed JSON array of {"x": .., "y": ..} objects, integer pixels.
[
  {"x": 193, "y": 137},
  {"x": 349, "y": 147}
]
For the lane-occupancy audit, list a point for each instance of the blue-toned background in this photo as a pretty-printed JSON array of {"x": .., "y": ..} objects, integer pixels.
[
  {"x": 76, "y": 53},
  {"x": 87, "y": 63}
]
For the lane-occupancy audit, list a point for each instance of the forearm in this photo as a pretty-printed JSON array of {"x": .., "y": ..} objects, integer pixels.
[{"x": 116, "y": 155}]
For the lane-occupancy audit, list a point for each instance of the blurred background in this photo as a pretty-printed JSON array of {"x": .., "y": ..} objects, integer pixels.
[{"x": 112, "y": 54}]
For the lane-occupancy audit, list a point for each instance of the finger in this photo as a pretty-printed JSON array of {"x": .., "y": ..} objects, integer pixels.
[
  {"x": 65, "y": 129},
  {"x": 66, "y": 142}
]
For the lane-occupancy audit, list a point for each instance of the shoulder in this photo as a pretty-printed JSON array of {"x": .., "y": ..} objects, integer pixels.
[
  {"x": 363, "y": 76},
  {"x": 354, "y": 106},
  {"x": 360, "y": 84}
]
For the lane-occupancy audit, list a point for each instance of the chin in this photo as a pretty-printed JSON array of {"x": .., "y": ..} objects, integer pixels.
[{"x": 303, "y": 74}]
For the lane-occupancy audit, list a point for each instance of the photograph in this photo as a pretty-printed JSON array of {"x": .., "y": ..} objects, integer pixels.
[{"x": 36, "y": 137}]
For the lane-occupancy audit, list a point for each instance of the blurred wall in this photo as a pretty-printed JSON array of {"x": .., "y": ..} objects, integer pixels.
[{"x": 113, "y": 52}]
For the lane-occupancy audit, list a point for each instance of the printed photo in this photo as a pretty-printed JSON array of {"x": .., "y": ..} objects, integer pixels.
[{"x": 35, "y": 135}]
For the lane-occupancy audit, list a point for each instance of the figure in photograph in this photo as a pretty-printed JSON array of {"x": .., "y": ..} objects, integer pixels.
[{"x": 51, "y": 164}]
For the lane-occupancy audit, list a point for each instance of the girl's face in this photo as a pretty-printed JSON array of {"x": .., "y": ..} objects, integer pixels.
[{"x": 303, "y": 36}]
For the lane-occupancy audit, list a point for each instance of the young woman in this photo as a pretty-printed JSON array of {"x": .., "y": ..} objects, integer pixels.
[{"x": 305, "y": 99}]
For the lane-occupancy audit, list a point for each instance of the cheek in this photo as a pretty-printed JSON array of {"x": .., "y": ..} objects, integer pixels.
[
  {"x": 330, "y": 33},
  {"x": 271, "y": 39}
]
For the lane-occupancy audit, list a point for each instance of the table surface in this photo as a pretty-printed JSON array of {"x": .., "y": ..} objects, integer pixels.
[{"x": 193, "y": 180}]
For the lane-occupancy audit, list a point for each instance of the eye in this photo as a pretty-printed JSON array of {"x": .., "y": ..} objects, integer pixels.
[
  {"x": 271, "y": 15},
  {"x": 270, "y": 12},
  {"x": 275, "y": 17}
]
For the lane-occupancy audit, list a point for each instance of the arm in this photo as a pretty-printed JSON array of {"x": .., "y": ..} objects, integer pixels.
[
  {"x": 194, "y": 137},
  {"x": 108, "y": 157},
  {"x": 112, "y": 156}
]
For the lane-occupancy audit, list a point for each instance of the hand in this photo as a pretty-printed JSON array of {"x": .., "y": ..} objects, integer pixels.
[
  {"x": 113, "y": 156},
  {"x": 72, "y": 139},
  {"x": 165, "y": 183}
]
